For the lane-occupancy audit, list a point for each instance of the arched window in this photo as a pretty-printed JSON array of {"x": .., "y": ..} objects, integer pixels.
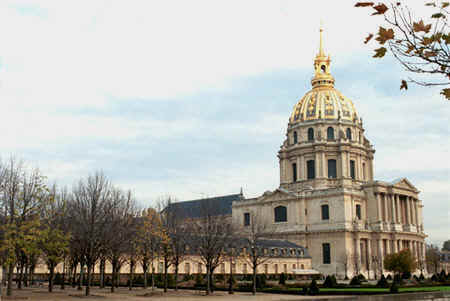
[
  {"x": 310, "y": 134},
  {"x": 330, "y": 133},
  {"x": 280, "y": 213},
  {"x": 352, "y": 169},
  {"x": 348, "y": 133},
  {"x": 295, "y": 138},
  {"x": 294, "y": 172},
  {"x": 332, "y": 174},
  {"x": 310, "y": 169},
  {"x": 364, "y": 170}
]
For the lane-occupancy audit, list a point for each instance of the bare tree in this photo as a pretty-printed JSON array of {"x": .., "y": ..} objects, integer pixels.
[
  {"x": 120, "y": 216},
  {"x": 89, "y": 209},
  {"x": 346, "y": 260},
  {"x": 211, "y": 234},
  {"x": 432, "y": 258},
  {"x": 254, "y": 241}
]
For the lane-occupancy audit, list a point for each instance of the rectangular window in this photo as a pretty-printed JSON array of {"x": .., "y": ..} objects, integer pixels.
[
  {"x": 246, "y": 219},
  {"x": 294, "y": 172},
  {"x": 266, "y": 268},
  {"x": 326, "y": 253},
  {"x": 187, "y": 268},
  {"x": 311, "y": 169},
  {"x": 276, "y": 268},
  {"x": 285, "y": 268},
  {"x": 358, "y": 211},
  {"x": 352, "y": 169},
  {"x": 325, "y": 212},
  {"x": 222, "y": 268},
  {"x": 244, "y": 268},
  {"x": 332, "y": 169},
  {"x": 199, "y": 268}
]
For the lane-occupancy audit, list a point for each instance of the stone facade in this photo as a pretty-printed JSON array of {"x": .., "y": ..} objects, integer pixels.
[{"x": 334, "y": 207}]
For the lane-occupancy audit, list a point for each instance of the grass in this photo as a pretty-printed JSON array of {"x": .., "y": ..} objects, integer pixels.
[{"x": 381, "y": 290}]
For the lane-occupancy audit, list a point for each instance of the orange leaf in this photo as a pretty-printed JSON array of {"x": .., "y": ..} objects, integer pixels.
[
  {"x": 420, "y": 26},
  {"x": 380, "y": 52},
  {"x": 404, "y": 85},
  {"x": 363, "y": 4},
  {"x": 384, "y": 35},
  {"x": 446, "y": 93},
  {"x": 380, "y": 9},
  {"x": 368, "y": 38}
]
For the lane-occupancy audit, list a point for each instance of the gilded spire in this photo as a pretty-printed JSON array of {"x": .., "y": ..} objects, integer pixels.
[
  {"x": 322, "y": 76},
  {"x": 321, "y": 53}
]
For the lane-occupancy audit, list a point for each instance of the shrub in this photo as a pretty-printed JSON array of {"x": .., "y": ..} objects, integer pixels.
[
  {"x": 382, "y": 282},
  {"x": 304, "y": 290},
  {"x": 330, "y": 281},
  {"x": 361, "y": 278},
  {"x": 389, "y": 277},
  {"x": 57, "y": 279},
  {"x": 282, "y": 279},
  {"x": 187, "y": 277},
  {"x": 355, "y": 281},
  {"x": 261, "y": 281},
  {"x": 394, "y": 287},
  {"x": 442, "y": 276},
  {"x": 232, "y": 279},
  {"x": 199, "y": 281},
  {"x": 397, "y": 278},
  {"x": 421, "y": 277},
  {"x": 313, "y": 288},
  {"x": 406, "y": 275},
  {"x": 346, "y": 277},
  {"x": 434, "y": 278}
]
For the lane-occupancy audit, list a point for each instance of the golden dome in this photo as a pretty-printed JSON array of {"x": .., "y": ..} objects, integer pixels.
[{"x": 323, "y": 101}]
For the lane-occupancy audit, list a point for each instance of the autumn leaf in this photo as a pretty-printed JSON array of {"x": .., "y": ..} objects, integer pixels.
[
  {"x": 380, "y": 9},
  {"x": 368, "y": 38},
  {"x": 384, "y": 35},
  {"x": 404, "y": 85},
  {"x": 420, "y": 26},
  {"x": 427, "y": 41},
  {"x": 446, "y": 93},
  {"x": 364, "y": 4},
  {"x": 430, "y": 4},
  {"x": 428, "y": 54},
  {"x": 445, "y": 4},
  {"x": 438, "y": 15},
  {"x": 380, "y": 52},
  {"x": 446, "y": 38}
]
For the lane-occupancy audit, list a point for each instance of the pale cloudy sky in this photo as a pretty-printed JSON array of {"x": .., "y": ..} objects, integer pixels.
[{"x": 192, "y": 98}]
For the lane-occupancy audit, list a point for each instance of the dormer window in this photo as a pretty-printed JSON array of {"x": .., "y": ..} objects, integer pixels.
[
  {"x": 295, "y": 138},
  {"x": 348, "y": 133}
]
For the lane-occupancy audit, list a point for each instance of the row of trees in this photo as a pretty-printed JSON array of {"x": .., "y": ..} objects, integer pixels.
[{"x": 96, "y": 222}]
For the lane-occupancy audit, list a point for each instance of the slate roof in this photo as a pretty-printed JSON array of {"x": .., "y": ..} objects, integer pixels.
[{"x": 220, "y": 205}]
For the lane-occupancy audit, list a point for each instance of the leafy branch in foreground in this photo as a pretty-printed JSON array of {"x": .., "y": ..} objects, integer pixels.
[{"x": 420, "y": 45}]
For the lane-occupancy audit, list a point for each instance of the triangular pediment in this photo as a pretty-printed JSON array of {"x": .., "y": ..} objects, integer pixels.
[
  {"x": 277, "y": 194},
  {"x": 404, "y": 183}
]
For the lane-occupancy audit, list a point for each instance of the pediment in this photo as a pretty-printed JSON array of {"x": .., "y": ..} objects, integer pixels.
[
  {"x": 276, "y": 195},
  {"x": 403, "y": 183}
]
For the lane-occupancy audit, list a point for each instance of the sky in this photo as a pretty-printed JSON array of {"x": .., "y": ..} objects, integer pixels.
[{"x": 192, "y": 98}]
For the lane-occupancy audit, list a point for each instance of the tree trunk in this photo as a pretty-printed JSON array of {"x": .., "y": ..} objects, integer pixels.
[
  {"x": 113, "y": 276},
  {"x": 80, "y": 278},
  {"x": 19, "y": 280},
  {"x": 63, "y": 283},
  {"x": 254, "y": 280},
  {"x": 153, "y": 277},
  {"x": 131, "y": 274},
  {"x": 208, "y": 280},
  {"x": 102, "y": 273},
  {"x": 230, "y": 286},
  {"x": 25, "y": 275},
  {"x": 88, "y": 280},
  {"x": 144, "y": 268},
  {"x": 50, "y": 278},
  {"x": 10, "y": 276},
  {"x": 166, "y": 268},
  {"x": 176, "y": 277}
]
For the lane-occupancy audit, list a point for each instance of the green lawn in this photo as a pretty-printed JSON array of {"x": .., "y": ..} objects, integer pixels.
[{"x": 376, "y": 289}]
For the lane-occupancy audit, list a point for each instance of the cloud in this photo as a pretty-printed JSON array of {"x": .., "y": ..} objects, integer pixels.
[{"x": 192, "y": 98}]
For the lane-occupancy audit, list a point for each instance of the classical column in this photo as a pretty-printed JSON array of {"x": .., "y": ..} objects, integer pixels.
[
  {"x": 385, "y": 208},
  {"x": 303, "y": 168},
  {"x": 380, "y": 252},
  {"x": 398, "y": 214},
  {"x": 369, "y": 255},
  {"x": 324, "y": 166},
  {"x": 393, "y": 216},
  {"x": 379, "y": 208},
  {"x": 416, "y": 207},
  {"x": 317, "y": 165},
  {"x": 408, "y": 211},
  {"x": 298, "y": 167},
  {"x": 358, "y": 249}
]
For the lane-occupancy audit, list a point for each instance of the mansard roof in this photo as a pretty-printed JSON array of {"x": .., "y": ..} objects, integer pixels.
[{"x": 219, "y": 205}]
